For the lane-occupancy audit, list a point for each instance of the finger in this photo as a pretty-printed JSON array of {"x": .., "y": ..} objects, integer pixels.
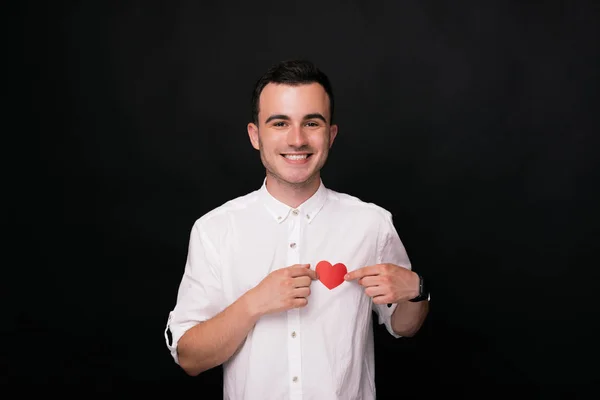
[
  {"x": 301, "y": 292},
  {"x": 312, "y": 274},
  {"x": 383, "y": 299},
  {"x": 373, "y": 291},
  {"x": 304, "y": 271},
  {"x": 361, "y": 272},
  {"x": 301, "y": 281},
  {"x": 300, "y": 266},
  {"x": 370, "y": 281},
  {"x": 299, "y": 270},
  {"x": 299, "y": 302}
]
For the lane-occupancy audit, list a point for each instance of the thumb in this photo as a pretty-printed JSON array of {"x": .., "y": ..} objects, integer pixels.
[{"x": 312, "y": 273}]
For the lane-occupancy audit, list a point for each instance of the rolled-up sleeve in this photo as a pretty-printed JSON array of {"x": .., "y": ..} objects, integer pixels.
[
  {"x": 200, "y": 295},
  {"x": 391, "y": 250}
]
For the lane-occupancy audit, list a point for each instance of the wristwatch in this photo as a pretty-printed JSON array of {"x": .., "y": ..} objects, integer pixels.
[{"x": 423, "y": 291}]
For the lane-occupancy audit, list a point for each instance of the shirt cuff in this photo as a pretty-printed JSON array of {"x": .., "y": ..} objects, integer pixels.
[{"x": 385, "y": 317}]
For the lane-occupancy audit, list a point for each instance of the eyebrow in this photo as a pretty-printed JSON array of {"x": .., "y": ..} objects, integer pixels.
[{"x": 286, "y": 118}]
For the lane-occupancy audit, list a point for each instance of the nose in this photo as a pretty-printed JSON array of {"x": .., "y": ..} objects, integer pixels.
[{"x": 296, "y": 137}]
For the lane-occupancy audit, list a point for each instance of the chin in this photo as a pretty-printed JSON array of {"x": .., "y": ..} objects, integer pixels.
[
  {"x": 301, "y": 180},
  {"x": 294, "y": 179}
]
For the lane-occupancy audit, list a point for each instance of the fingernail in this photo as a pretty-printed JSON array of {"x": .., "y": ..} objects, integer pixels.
[{"x": 346, "y": 276}]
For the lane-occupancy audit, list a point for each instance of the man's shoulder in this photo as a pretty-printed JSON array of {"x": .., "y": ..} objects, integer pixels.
[
  {"x": 353, "y": 203},
  {"x": 238, "y": 204}
]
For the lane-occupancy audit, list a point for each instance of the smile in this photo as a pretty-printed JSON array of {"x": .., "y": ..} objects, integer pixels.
[{"x": 296, "y": 156}]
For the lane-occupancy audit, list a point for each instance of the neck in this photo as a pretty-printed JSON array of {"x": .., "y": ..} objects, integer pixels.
[{"x": 292, "y": 194}]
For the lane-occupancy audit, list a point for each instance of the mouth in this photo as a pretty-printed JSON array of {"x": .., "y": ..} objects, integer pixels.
[{"x": 296, "y": 156}]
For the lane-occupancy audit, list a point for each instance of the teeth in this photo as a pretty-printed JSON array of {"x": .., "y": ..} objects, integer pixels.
[{"x": 296, "y": 156}]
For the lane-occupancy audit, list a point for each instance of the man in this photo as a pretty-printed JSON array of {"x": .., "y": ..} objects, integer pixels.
[{"x": 280, "y": 284}]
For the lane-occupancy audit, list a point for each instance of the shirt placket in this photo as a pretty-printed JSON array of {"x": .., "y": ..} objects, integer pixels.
[{"x": 293, "y": 315}]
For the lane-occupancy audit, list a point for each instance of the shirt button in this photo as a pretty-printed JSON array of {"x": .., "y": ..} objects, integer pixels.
[
  {"x": 293, "y": 334},
  {"x": 295, "y": 212},
  {"x": 295, "y": 379},
  {"x": 307, "y": 216},
  {"x": 293, "y": 245}
]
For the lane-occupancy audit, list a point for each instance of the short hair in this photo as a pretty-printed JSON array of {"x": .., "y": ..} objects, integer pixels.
[{"x": 292, "y": 72}]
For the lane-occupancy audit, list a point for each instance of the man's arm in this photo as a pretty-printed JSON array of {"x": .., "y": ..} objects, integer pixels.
[
  {"x": 389, "y": 283},
  {"x": 408, "y": 317},
  {"x": 214, "y": 341}
]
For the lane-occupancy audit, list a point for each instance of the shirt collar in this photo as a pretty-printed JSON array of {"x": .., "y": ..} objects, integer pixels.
[{"x": 307, "y": 210}]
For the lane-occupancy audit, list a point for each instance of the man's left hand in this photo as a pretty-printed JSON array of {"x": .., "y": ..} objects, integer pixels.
[{"x": 386, "y": 283}]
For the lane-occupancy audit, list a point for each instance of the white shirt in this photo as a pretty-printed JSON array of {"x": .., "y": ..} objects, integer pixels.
[{"x": 323, "y": 351}]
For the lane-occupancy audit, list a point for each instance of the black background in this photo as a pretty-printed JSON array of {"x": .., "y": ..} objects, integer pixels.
[{"x": 475, "y": 123}]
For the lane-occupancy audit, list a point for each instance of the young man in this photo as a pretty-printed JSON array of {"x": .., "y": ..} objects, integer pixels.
[{"x": 279, "y": 284}]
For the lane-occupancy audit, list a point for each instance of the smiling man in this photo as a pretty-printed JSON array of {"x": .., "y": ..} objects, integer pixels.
[{"x": 280, "y": 284}]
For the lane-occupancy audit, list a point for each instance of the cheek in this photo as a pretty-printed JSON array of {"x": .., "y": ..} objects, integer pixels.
[
  {"x": 319, "y": 142},
  {"x": 324, "y": 146},
  {"x": 268, "y": 142}
]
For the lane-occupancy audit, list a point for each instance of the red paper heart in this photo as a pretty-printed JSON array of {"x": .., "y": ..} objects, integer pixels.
[{"x": 331, "y": 275}]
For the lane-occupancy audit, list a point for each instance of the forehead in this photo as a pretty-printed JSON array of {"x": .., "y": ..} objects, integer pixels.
[{"x": 293, "y": 100}]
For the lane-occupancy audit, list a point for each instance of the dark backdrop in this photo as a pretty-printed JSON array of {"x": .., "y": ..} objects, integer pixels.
[{"x": 474, "y": 123}]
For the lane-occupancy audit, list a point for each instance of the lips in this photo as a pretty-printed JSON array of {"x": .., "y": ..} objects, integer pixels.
[{"x": 296, "y": 156}]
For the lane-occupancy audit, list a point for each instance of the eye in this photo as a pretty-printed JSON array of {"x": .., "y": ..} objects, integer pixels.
[
  {"x": 312, "y": 124},
  {"x": 279, "y": 124}
]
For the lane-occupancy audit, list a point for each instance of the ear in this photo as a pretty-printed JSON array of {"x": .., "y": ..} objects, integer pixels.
[
  {"x": 333, "y": 131},
  {"x": 253, "y": 135}
]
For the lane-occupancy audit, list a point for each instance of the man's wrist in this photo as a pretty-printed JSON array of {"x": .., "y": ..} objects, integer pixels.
[
  {"x": 422, "y": 292},
  {"x": 250, "y": 305}
]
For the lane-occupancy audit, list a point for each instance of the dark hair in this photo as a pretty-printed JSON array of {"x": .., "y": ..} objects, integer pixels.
[{"x": 292, "y": 72}]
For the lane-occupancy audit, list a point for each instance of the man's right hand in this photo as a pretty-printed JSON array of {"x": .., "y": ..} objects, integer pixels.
[{"x": 281, "y": 290}]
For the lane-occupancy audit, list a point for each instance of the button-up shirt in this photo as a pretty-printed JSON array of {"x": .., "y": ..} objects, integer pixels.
[{"x": 322, "y": 351}]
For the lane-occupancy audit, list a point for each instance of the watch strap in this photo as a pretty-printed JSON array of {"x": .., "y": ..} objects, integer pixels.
[{"x": 423, "y": 290}]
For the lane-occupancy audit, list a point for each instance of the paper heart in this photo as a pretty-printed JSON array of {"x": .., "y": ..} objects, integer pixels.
[{"x": 331, "y": 275}]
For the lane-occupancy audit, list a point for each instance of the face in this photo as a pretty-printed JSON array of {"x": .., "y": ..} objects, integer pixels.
[{"x": 294, "y": 133}]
